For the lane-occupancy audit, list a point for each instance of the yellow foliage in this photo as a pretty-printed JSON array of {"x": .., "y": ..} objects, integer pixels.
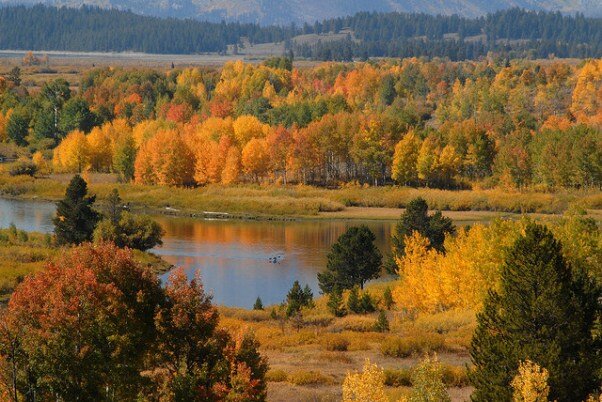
[
  {"x": 3, "y": 123},
  {"x": 232, "y": 166},
  {"x": 531, "y": 383},
  {"x": 147, "y": 129},
  {"x": 367, "y": 386},
  {"x": 100, "y": 150},
  {"x": 247, "y": 128},
  {"x": 460, "y": 278},
  {"x": 255, "y": 158},
  {"x": 405, "y": 159},
  {"x": 587, "y": 95},
  {"x": 165, "y": 159},
  {"x": 41, "y": 163},
  {"x": 72, "y": 154}
]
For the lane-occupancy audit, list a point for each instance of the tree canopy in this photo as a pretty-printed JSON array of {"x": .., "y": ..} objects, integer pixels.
[
  {"x": 353, "y": 260},
  {"x": 545, "y": 312}
]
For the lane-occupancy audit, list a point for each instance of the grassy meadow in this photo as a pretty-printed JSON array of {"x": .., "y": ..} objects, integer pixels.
[
  {"x": 309, "y": 359},
  {"x": 299, "y": 201}
]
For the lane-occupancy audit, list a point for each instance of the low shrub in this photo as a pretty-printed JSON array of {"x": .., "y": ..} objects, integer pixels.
[
  {"x": 276, "y": 375},
  {"x": 23, "y": 169},
  {"x": 416, "y": 344},
  {"x": 335, "y": 343},
  {"x": 355, "y": 323},
  {"x": 310, "y": 378},
  {"x": 398, "y": 378},
  {"x": 455, "y": 376}
]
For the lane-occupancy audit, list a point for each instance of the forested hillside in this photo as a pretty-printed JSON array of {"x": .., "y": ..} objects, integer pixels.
[
  {"x": 268, "y": 12},
  {"x": 95, "y": 29},
  {"x": 511, "y": 33},
  {"x": 515, "y": 32}
]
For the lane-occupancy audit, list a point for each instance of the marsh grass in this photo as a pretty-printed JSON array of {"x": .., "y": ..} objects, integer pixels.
[
  {"x": 21, "y": 254},
  {"x": 300, "y": 200}
]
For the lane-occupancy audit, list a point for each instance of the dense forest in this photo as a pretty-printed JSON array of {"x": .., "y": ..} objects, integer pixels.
[
  {"x": 94, "y": 29},
  {"x": 430, "y": 124},
  {"x": 512, "y": 32}
]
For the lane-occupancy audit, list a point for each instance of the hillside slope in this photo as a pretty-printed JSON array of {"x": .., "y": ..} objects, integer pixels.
[{"x": 299, "y": 11}]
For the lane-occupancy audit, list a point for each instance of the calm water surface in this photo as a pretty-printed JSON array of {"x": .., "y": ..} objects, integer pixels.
[{"x": 233, "y": 257}]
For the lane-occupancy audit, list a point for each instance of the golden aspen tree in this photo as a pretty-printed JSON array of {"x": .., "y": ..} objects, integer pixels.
[
  {"x": 40, "y": 162},
  {"x": 448, "y": 165},
  {"x": 255, "y": 158},
  {"x": 427, "y": 161},
  {"x": 100, "y": 151},
  {"x": 367, "y": 386},
  {"x": 460, "y": 278},
  {"x": 427, "y": 382},
  {"x": 587, "y": 95},
  {"x": 147, "y": 129},
  {"x": 231, "y": 171},
  {"x": 531, "y": 383},
  {"x": 247, "y": 128},
  {"x": 405, "y": 159},
  {"x": 144, "y": 172},
  {"x": 4, "y": 118},
  {"x": 419, "y": 289},
  {"x": 172, "y": 159},
  {"x": 72, "y": 154},
  {"x": 205, "y": 150},
  {"x": 215, "y": 128}
]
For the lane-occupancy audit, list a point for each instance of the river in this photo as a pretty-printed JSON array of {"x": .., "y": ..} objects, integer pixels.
[{"x": 234, "y": 257}]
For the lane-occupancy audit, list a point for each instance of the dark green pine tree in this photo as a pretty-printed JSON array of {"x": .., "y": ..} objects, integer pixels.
[
  {"x": 258, "y": 304},
  {"x": 545, "y": 312},
  {"x": 297, "y": 298},
  {"x": 353, "y": 301},
  {"x": 75, "y": 219},
  {"x": 335, "y": 303},
  {"x": 416, "y": 219},
  {"x": 353, "y": 260}
]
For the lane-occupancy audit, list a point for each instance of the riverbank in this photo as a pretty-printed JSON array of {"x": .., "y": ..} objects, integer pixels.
[
  {"x": 23, "y": 253},
  {"x": 306, "y": 202}
]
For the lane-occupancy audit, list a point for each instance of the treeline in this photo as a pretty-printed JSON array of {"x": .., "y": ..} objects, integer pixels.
[
  {"x": 512, "y": 33},
  {"x": 434, "y": 124},
  {"x": 99, "y": 30}
]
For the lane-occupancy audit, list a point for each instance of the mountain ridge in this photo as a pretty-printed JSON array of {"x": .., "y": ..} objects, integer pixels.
[{"x": 267, "y": 12}]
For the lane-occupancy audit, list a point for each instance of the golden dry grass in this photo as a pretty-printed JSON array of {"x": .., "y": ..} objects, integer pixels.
[
  {"x": 268, "y": 201},
  {"x": 310, "y": 363}
]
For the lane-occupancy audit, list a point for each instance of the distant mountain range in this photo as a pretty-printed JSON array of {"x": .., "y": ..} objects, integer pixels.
[{"x": 268, "y": 12}]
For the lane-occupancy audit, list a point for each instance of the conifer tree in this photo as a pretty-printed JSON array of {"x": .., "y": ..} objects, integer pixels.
[
  {"x": 335, "y": 303},
  {"x": 258, "y": 304},
  {"x": 75, "y": 219},
  {"x": 382, "y": 322},
  {"x": 297, "y": 298},
  {"x": 353, "y": 301},
  {"x": 544, "y": 312},
  {"x": 416, "y": 219},
  {"x": 353, "y": 260},
  {"x": 388, "y": 298}
]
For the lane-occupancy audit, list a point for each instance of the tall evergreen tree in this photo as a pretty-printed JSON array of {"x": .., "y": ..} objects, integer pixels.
[
  {"x": 75, "y": 219},
  {"x": 353, "y": 260},
  {"x": 544, "y": 312},
  {"x": 297, "y": 298},
  {"x": 416, "y": 219}
]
